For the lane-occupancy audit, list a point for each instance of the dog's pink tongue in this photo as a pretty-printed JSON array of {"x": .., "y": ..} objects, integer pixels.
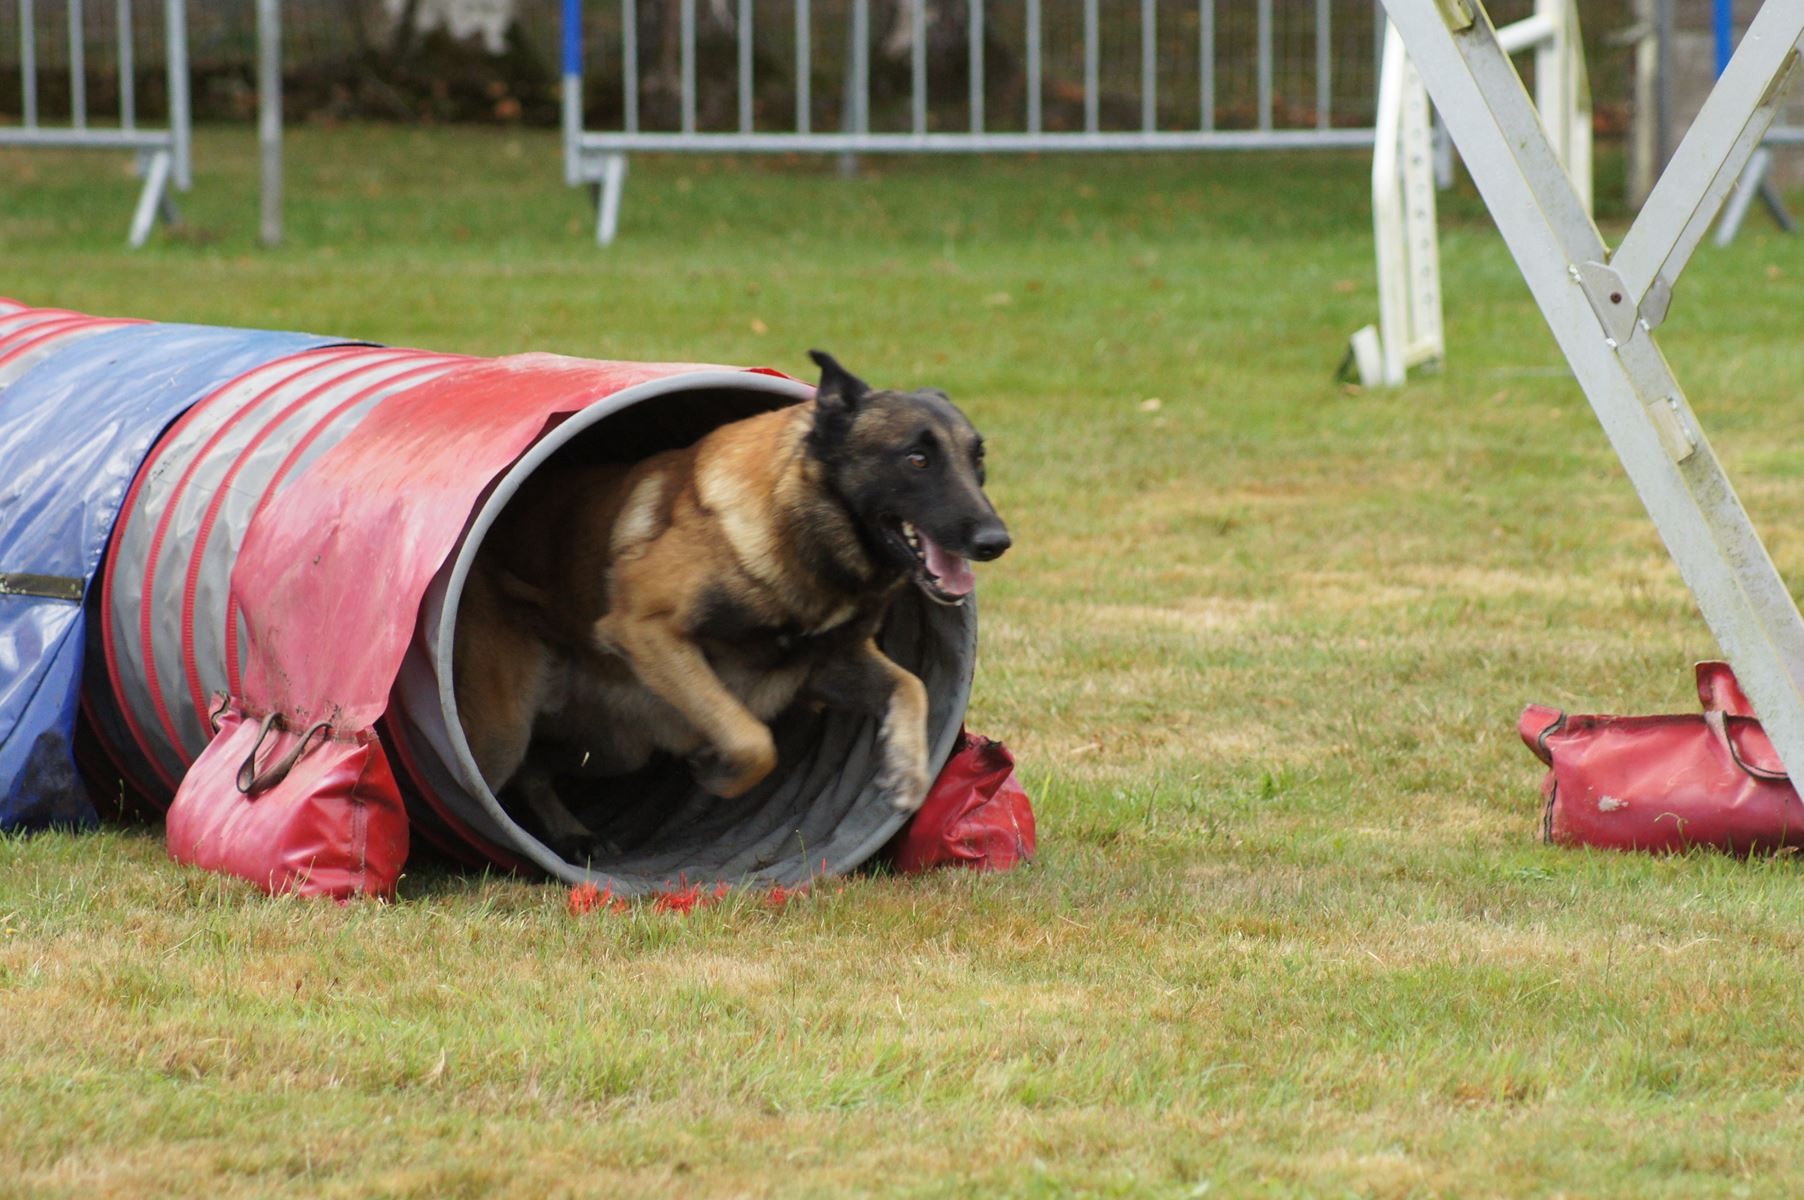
[{"x": 955, "y": 578}]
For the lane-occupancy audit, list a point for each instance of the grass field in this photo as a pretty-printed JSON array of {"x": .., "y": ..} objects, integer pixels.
[{"x": 1259, "y": 648}]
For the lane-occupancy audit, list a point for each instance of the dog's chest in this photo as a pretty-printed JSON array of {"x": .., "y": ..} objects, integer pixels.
[
  {"x": 773, "y": 649},
  {"x": 766, "y": 663},
  {"x": 763, "y": 672},
  {"x": 770, "y": 632}
]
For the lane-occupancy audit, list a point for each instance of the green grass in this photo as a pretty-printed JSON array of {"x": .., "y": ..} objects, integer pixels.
[{"x": 1259, "y": 648}]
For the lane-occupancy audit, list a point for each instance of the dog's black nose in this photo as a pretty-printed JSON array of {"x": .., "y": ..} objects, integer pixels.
[{"x": 989, "y": 542}]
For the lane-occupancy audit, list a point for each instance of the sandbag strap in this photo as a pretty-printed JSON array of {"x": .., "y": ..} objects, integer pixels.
[
  {"x": 48, "y": 587},
  {"x": 251, "y": 781},
  {"x": 1719, "y": 726},
  {"x": 221, "y": 702}
]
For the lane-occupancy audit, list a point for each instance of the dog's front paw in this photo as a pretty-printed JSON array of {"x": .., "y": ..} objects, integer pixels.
[
  {"x": 733, "y": 771},
  {"x": 902, "y": 780}
]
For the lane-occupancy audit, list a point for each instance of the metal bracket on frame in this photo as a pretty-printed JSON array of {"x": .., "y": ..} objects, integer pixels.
[{"x": 1603, "y": 308}]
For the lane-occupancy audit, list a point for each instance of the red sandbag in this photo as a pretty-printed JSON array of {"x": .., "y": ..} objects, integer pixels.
[
  {"x": 1665, "y": 783},
  {"x": 976, "y": 814},
  {"x": 309, "y": 811}
]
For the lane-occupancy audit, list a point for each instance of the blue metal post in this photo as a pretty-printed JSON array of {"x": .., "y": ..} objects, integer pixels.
[
  {"x": 1724, "y": 25},
  {"x": 573, "y": 88}
]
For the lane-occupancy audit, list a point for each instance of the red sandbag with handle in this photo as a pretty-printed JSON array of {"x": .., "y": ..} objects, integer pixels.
[
  {"x": 311, "y": 811},
  {"x": 976, "y": 815},
  {"x": 1665, "y": 783}
]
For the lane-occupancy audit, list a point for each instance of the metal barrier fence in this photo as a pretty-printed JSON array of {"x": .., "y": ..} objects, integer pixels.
[
  {"x": 162, "y": 152},
  {"x": 1316, "y": 112}
]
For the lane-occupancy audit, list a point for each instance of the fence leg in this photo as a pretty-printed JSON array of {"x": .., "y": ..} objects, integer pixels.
[
  {"x": 269, "y": 122},
  {"x": 1775, "y": 204},
  {"x": 1754, "y": 181},
  {"x": 607, "y": 214},
  {"x": 856, "y": 87},
  {"x": 153, "y": 199}
]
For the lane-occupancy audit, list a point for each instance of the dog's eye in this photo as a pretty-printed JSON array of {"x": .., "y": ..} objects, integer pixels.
[{"x": 918, "y": 461}]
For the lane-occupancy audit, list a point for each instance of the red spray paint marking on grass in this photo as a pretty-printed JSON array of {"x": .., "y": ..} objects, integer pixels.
[{"x": 586, "y": 898}]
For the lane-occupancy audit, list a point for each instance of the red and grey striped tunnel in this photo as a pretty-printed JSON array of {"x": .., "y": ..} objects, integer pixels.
[{"x": 172, "y": 638}]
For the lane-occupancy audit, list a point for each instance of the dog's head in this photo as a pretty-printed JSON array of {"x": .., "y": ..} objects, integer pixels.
[{"x": 909, "y": 466}]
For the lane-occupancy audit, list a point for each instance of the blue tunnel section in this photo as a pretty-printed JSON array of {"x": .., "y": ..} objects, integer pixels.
[{"x": 73, "y": 430}]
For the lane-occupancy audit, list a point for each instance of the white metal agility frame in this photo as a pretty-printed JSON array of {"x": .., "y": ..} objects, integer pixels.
[
  {"x": 1603, "y": 308},
  {"x": 163, "y": 154},
  {"x": 1404, "y": 174}
]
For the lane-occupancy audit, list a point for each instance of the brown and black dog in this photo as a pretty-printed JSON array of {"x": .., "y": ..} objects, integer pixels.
[{"x": 679, "y": 604}]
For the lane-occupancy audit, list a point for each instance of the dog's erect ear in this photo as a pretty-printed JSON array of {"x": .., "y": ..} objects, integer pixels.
[{"x": 839, "y": 387}]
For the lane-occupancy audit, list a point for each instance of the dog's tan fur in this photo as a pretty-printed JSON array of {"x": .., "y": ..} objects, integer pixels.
[{"x": 579, "y": 615}]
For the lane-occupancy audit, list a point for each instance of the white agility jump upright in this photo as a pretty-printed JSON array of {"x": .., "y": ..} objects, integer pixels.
[
  {"x": 1603, "y": 308},
  {"x": 1409, "y": 332}
]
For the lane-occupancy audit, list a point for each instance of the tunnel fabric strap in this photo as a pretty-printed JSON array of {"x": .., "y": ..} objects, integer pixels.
[{"x": 48, "y": 587}]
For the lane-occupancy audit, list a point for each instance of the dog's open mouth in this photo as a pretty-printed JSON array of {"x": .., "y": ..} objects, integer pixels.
[{"x": 943, "y": 575}]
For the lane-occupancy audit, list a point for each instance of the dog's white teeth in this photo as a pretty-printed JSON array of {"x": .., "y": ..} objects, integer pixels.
[{"x": 913, "y": 538}]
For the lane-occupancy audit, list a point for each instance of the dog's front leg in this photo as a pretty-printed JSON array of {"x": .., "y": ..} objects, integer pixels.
[
  {"x": 868, "y": 682},
  {"x": 674, "y": 669}
]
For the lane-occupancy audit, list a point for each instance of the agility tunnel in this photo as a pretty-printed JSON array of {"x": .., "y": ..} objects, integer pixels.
[{"x": 240, "y": 555}]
